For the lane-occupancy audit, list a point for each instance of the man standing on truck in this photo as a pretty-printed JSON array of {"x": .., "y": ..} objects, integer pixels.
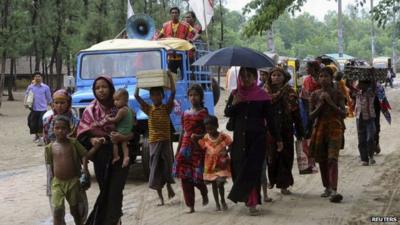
[{"x": 177, "y": 29}]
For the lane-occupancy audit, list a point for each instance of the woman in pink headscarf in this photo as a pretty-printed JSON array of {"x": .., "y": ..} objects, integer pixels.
[
  {"x": 249, "y": 109},
  {"x": 93, "y": 130}
]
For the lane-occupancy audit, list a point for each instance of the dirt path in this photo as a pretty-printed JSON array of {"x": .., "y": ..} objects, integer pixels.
[{"x": 367, "y": 190}]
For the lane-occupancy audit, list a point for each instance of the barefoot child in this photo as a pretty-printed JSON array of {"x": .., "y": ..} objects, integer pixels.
[
  {"x": 64, "y": 157},
  {"x": 327, "y": 110},
  {"x": 189, "y": 159},
  {"x": 216, "y": 162},
  {"x": 161, "y": 154},
  {"x": 61, "y": 106},
  {"x": 124, "y": 123}
]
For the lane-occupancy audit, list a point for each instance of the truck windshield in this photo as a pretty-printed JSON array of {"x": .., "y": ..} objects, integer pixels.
[{"x": 124, "y": 64}]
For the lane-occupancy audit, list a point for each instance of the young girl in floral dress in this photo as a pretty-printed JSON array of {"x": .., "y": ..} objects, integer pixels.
[
  {"x": 189, "y": 159},
  {"x": 217, "y": 163}
]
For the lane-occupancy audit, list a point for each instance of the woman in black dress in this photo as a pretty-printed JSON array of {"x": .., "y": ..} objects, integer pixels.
[
  {"x": 250, "y": 112},
  {"x": 93, "y": 130}
]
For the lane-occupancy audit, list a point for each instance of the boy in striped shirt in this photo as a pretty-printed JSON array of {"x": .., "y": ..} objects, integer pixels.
[{"x": 161, "y": 154}]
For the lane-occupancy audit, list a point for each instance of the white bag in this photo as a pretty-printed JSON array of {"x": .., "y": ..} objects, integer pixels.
[
  {"x": 305, "y": 163},
  {"x": 28, "y": 101}
]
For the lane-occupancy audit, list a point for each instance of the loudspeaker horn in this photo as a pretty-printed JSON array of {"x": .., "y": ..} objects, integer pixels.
[{"x": 140, "y": 27}]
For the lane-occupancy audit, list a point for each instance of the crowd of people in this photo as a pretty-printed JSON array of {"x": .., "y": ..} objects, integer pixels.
[{"x": 266, "y": 115}]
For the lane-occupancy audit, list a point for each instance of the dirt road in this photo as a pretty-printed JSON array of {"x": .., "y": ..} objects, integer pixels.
[{"x": 367, "y": 191}]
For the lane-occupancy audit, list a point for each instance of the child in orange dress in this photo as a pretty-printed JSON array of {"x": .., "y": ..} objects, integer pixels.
[{"x": 216, "y": 163}]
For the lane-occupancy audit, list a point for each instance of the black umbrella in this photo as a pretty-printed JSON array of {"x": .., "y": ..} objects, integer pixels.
[{"x": 235, "y": 56}]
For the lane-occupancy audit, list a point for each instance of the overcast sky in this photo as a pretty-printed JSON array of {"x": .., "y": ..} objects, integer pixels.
[{"x": 317, "y": 8}]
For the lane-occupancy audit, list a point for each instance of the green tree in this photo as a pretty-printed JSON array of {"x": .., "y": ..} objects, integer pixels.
[{"x": 267, "y": 11}]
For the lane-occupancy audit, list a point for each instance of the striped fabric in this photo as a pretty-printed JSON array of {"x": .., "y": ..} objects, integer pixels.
[{"x": 159, "y": 123}]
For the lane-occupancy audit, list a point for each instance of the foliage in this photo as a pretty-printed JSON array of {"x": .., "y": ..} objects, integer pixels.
[
  {"x": 55, "y": 30},
  {"x": 267, "y": 11},
  {"x": 385, "y": 10},
  {"x": 304, "y": 35}
]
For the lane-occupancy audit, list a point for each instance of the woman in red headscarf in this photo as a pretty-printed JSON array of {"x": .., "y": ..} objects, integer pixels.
[
  {"x": 93, "y": 130},
  {"x": 249, "y": 109}
]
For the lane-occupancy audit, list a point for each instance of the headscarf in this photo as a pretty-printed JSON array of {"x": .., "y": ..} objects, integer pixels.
[
  {"x": 252, "y": 93},
  {"x": 314, "y": 65},
  {"x": 62, "y": 94},
  {"x": 93, "y": 118},
  {"x": 333, "y": 68},
  {"x": 48, "y": 122},
  {"x": 277, "y": 92}
]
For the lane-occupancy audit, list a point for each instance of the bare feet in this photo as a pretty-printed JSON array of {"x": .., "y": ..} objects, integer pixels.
[
  {"x": 115, "y": 159},
  {"x": 125, "y": 163}
]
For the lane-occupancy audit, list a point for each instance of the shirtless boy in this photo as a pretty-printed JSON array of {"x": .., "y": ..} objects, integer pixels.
[{"x": 63, "y": 161}]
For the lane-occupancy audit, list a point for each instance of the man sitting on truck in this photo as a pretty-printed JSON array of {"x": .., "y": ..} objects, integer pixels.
[{"x": 177, "y": 29}]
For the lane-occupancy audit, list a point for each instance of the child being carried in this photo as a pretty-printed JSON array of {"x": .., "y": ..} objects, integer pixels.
[{"x": 124, "y": 122}]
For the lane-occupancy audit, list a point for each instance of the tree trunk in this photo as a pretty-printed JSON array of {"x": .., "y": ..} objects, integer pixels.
[
  {"x": 35, "y": 44},
  {"x": 11, "y": 79},
  {"x": 86, "y": 8},
  {"x": 2, "y": 75},
  {"x": 30, "y": 64},
  {"x": 150, "y": 6},
  {"x": 59, "y": 71},
  {"x": 69, "y": 63},
  {"x": 44, "y": 68},
  {"x": 4, "y": 26}
]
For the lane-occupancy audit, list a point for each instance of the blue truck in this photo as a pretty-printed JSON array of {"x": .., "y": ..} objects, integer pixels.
[{"x": 121, "y": 59}]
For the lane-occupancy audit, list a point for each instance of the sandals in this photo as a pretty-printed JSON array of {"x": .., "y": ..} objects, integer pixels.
[
  {"x": 377, "y": 149},
  {"x": 253, "y": 211},
  {"x": 205, "y": 199},
  {"x": 326, "y": 193},
  {"x": 267, "y": 199},
  {"x": 336, "y": 198},
  {"x": 224, "y": 206},
  {"x": 364, "y": 163},
  {"x": 286, "y": 192}
]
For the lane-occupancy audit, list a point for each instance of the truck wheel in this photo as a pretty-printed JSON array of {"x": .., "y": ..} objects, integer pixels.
[
  {"x": 145, "y": 157},
  {"x": 216, "y": 90}
]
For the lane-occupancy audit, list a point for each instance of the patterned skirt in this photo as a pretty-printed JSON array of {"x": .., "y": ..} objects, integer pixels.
[
  {"x": 189, "y": 164},
  {"x": 327, "y": 139}
]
